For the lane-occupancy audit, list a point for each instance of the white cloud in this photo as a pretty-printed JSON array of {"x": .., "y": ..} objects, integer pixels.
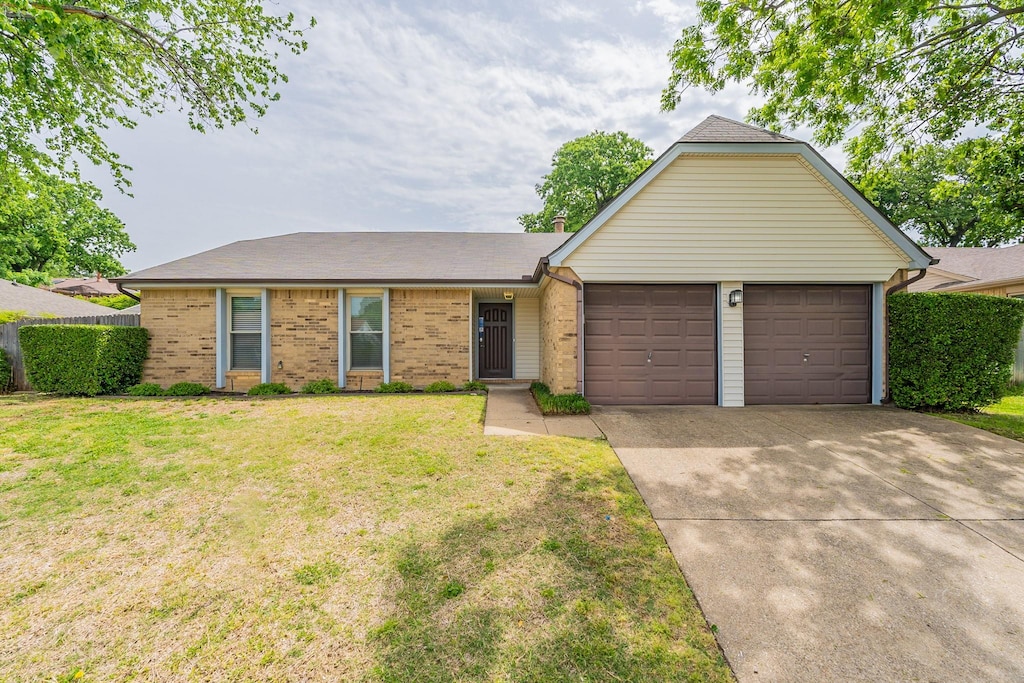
[{"x": 409, "y": 117}]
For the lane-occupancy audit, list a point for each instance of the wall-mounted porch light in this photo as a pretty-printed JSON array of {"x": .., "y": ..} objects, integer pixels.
[{"x": 735, "y": 297}]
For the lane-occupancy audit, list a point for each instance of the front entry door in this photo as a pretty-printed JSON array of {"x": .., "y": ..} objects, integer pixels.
[{"x": 495, "y": 341}]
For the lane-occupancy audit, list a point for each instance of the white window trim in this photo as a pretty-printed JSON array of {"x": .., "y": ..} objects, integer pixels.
[
  {"x": 384, "y": 332},
  {"x": 232, "y": 332}
]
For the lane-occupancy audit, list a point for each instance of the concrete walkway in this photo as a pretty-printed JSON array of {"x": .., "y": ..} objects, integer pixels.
[
  {"x": 511, "y": 411},
  {"x": 839, "y": 543}
]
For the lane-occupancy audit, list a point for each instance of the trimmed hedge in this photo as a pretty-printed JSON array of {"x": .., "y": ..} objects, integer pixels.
[
  {"x": 439, "y": 387},
  {"x": 83, "y": 360},
  {"x": 951, "y": 351},
  {"x": 6, "y": 374}
]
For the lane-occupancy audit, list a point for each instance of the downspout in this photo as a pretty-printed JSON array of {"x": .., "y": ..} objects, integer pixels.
[
  {"x": 579, "y": 318},
  {"x": 899, "y": 286},
  {"x": 124, "y": 291}
]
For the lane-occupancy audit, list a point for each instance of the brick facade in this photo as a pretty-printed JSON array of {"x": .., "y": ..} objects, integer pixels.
[
  {"x": 558, "y": 334},
  {"x": 429, "y": 338},
  {"x": 430, "y": 335},
  {"x": 182, "y": 325},
  {"x": 303, "y": 335}
]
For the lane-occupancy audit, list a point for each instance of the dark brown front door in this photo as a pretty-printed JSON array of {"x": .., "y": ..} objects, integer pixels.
[
  {"x": 495, "y": 341},
  {"x": 807, "y": 343},
  {"x": 650, "y": 344}
]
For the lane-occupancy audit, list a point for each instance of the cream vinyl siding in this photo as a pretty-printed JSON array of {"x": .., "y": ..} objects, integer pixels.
[
  {"x": 732, "y": 347},
  {"x": 527, "y": 332},
  {"x": 753, "y": 218}
]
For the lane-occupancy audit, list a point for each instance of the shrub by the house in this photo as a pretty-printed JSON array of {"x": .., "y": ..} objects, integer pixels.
[
  {"x": 951, "y": 351},
  {"x": 147, "y": 389},
  {"x": 269, "y": 389},
  {"x": 439, "y": 387},
  {"x": 394, "y": 388},
  {"x": 558, "y": 404},
  {"x": 320, "y": 386},
  {"x": 83, "y": 360},
  {"x": 187, "y": 389}
]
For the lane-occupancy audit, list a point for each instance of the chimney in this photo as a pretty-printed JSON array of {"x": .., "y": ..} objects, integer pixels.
[{"x": 559, "y": 223}]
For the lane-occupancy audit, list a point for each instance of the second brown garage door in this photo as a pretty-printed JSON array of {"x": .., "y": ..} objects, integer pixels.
[
  {"x": 807, "y": 343},
  {"x": 650, "y": 344}
]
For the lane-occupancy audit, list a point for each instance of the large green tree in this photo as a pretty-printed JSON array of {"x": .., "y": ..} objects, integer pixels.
[
  {"x": 586, "y": 174},
  {"x": 51, "y": 227},
  {"x": 71, "y": 69},
  {"x": 895, "y": 72},
  {"x": 952, "y": 196}
]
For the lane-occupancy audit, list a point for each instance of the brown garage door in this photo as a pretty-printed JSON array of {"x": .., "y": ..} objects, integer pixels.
[
  {"x": 650, "y": 344},
  {"x": 807, "y": 343}
]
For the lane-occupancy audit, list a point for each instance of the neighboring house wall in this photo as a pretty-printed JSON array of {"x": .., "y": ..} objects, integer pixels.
[
  {"x": 182, "y": 325},
  {"x": 303, "y": 336},
  {"x": 931, "y": 279},
  {"x": 558, "y": 333},
  {"x": 527, "y": 334},
  {"x": 430, "y": 335},
  {"x": 714, "y": 218}
]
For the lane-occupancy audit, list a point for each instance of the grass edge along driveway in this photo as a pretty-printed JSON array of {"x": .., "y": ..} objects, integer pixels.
[{"x": 340, "y": 538}]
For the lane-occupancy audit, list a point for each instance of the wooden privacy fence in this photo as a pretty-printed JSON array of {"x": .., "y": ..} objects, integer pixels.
[{"x": 9, "y": 336}]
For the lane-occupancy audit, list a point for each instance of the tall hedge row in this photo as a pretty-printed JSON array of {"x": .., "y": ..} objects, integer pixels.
[
  {"x": 951, "y": 351},
  {"x": 6, "y": 375},
  {"x": 83, "y": 360}
]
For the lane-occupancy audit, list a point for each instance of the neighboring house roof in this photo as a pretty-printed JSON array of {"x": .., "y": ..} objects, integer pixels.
[
  {"x": 718, "y": 135},
  {"x": 39, "y": 302},
  {"x": 720, "y": 129},
  {"x": 976, "y": 267},
  {"x": 339, "y": 257},
  {"x": 137, "y": 308},
  {"x": 88, "y": 286}
]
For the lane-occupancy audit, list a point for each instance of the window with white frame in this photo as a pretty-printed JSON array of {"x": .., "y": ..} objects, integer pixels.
[
  {"x": 366, "y": 332},
  {"x": 246, "y": 331}
]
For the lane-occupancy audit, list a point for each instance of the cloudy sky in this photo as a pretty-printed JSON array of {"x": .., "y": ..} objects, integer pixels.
[{"x": 411, "y": 116}]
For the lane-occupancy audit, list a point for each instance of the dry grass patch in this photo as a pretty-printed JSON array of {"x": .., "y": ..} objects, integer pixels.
[{"x": 343, "y": 538}]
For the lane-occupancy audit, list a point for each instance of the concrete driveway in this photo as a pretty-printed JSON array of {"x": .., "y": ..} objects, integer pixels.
[{"x": 839, "y": 543}]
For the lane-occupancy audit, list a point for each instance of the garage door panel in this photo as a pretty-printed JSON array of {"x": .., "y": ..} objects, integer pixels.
[
  {"x": 673, "y": 325},
  {"x": 630, "y": 327},
  {"x": 666, "y": 328},
  {"x": 701, "y": 328},
  {"x": 807, "y": 343}
]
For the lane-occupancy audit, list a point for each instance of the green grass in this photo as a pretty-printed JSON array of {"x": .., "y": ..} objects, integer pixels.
[
  {"x": 332, "y": 537},
  {"x": 1005, "y": 418},
  {"x": 558, "y": 404}
]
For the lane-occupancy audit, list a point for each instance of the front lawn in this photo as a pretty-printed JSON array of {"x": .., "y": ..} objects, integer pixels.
[
  {"x": 1005, "y": 418},
  {"x": 330, "y": 538}
]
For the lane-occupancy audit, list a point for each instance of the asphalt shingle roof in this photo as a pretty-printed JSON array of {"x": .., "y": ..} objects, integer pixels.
[
  {"x": 981, "y": 264},
  {"x": 363, "y": 257},
  {"x": 39, "y": 302},
  {"x": 720, "y": 129}
]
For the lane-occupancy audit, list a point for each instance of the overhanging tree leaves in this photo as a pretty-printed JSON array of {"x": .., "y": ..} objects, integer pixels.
[
  {"x": 72, "y": 69},
  {"x": 907, "y": 70},
  {"x": 51, "y": 227},
  {"x": 586, "y": 174},
  {"x": 952, "y": 196}
]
